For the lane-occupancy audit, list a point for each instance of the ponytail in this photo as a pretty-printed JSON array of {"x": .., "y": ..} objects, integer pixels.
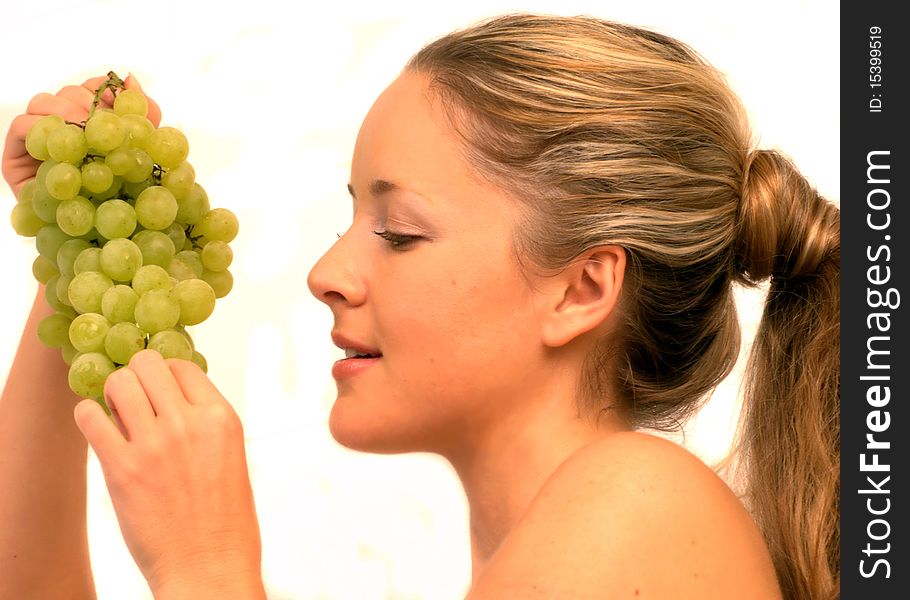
[{"x": 789, "y": 440}]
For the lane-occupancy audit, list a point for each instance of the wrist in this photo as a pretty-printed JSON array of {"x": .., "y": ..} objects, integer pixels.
[{"x": 214, "y": 583}]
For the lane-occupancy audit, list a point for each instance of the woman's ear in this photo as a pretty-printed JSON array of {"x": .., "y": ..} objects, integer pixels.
[{"x": 583, "y": 296}]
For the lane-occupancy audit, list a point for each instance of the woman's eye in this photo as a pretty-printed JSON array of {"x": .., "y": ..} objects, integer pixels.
[{"x": 396, "y": 240}]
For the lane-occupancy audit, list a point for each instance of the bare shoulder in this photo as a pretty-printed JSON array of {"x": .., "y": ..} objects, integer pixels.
[{"x": 632, "y": 516}]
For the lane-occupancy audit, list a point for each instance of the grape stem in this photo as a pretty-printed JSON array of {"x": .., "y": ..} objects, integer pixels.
[{"x": 113, "y": 83}]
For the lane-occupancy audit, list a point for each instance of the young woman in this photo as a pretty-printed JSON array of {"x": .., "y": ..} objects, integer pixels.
[{"x": 549, "y": 214}]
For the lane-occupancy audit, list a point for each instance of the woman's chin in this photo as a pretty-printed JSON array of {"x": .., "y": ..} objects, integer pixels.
[{"x": 371, "y": 433}]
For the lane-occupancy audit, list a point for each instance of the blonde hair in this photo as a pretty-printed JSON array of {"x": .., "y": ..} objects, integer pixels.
[{"x": 613, "y": 134}]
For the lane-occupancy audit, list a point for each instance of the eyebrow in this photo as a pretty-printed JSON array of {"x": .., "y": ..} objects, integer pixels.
[{"x": 378, "y": 187}]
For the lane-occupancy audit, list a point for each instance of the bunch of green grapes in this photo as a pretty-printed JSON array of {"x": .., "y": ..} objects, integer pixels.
[{"x": 129, "y": 250}]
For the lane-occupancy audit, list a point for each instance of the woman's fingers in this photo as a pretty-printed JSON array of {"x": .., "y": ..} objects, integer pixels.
[
  {"x": 197, "y": 388},
  {"x": 127, "y": 399},
  {"x": 78, "y": 95},
  {"x": 50, "y": 104},
  {"x": 163, "y": 392},
  {"x": 98, "y": 429}
]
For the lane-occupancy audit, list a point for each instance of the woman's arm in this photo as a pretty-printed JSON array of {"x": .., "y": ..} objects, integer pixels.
[{"x": 43, "y": 540}]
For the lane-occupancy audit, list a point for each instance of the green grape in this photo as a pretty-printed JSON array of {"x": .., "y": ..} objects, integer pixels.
[
  {"x": 68, "y": 352},
  {"x": 104, "y": 131},
  {"x": 50, "y": 294},
  {"x": 112, "y": 191},
  {"x": 53, "y": 330},
  {"x": 66, "y": 255},
  {"x": 177, "y": 234},
  {"x": 88, "y": 373},
  {"x": 36, "y": 138},
  {"x": 179, "y": 181},
  {"x": 45, "y": 206},
  {"x": 133, "y": 189},
  {"x": 88, "y": 260},
  {"x": 180, "y": 271},
  {"x": 27, "y": 191},
  {"x": 67, "y": 144},
  {"x": 118, "y": 304},
  {"x": 41, "y": 174},
  {"x": 115, "y": 219},
  {"x": 156, "y": 311},
  {"x": 118, "y": 160},
  {"x": 171, "y": 344},
  {"x": 123, "y": 340},
  {"x": 139, "y": 128},
  {"x": 97, "y": 177},
  {"x": 87, "y": 289},
  {"x": 131, "y": 102},
  {"x": 182, "y": 331},
  {"x": 141, "y": 166},
  {"x": 168, "y": 147},
  {"x": 63, "y": 283},
  {"x": 48, "y": 241},
  {"x": 218, "y": 224},
  {"x": 151, "y": 277},
  {"x": 196, "y": 299},
  {"x": 194, "y": 207},
  {"x": 156, "y": 208},
  {"x": 221, "y": 281},
  {"x": 156, "y": 247},
  {"x": 217, "y": 256},
  {"x": 192, "y": 260},
  {"x": 24, "y": 220},
  {"x": 76, "y": 217},
  {"x": 120, "y": 259},
  {"x": 199, "y": 359},
  {"x": 87, "y": 332},
  {"x": 63, "y": 181},
  {"x": 44, "y": 269}
]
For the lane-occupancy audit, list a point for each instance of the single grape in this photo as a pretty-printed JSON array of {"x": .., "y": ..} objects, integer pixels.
[
  {"x": 131, "y": 102},
  {"x": 67, "y": 144},
  {"x": 156, "y": 208},
  {"x": 218, "y": 224},
  {"x": 36, "y": 138},
  {"x": 24, "y": 220},
  {"x": 97, "y": 177},
  {"x": 177, "y": 234},
  {"x": 221, "y": 281},
  {"x": 182, "y": 331},
  {"x": 156, "y": 311},
  {"x": 118, "y": 304},
  {"x": 171, "y": 344},
  {"x": 217, "y": 255},
  {"x": 194, "y": 207},
  {"x": 199, "y": 359},
  {"x": 66, "y": 255},
  {"x": 118, "y": 160},
  {"x": 192, "y": 260},
  {"x": 41, "y": 174},
  {"x": 112, "y": 191},
  {"x": 63, "y": 284},
  {"x": 53, "y": 330},
  {"x": 68, "y": 352},
  {"x": 123, "y": 340},
  {"x": 63, "y": 181},
  {"x": 196, "y": 299},
  {"x": 44, "y": 269},
  {"x": 139, "y": 128},
  {"x": 27, "y": 191},
  {"x": 132, "y": 190},
  {"x": 151, "y": 277},
  {"x": 141, "y": 166},
  {"x": 87, "y": 332},
  {"x": 180, "y": 181},
  {"x": 115, "y": 219},
  {"x": 88, "y": 373},
  {"x": 104, "y": 131},
  {"x": 76, "y": 217},
  {"x": 50, "y": 294},
  {"x": 120, "y": 259},
  {"x": 48, "y": 241},
  {"x": 87, "y": 289},
  {"x": 167, "y": 146},
  {"x": 156, "y": 247},
  {"x": 180, "y": 271},
  {"x": 88, "y": 260},
  {"x": 45, "y": 206}
]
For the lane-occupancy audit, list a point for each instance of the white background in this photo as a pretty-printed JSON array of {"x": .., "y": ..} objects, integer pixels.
[{"x": 271, "y": 97}]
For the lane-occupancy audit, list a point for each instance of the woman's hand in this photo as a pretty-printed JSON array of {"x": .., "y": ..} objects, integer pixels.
[
  {"x": 176, "y": 470},
  {"x": 73, "y": 104}
]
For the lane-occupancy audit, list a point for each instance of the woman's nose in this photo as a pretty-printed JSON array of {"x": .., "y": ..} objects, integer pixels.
[{"x": 336, "y": 276}]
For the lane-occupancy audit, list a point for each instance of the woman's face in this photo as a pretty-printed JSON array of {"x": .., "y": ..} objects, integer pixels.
[{"x": 449, "y": 310}]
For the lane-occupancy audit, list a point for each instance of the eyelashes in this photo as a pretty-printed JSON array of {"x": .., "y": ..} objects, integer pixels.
[{"x": 397, "y": 241}]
